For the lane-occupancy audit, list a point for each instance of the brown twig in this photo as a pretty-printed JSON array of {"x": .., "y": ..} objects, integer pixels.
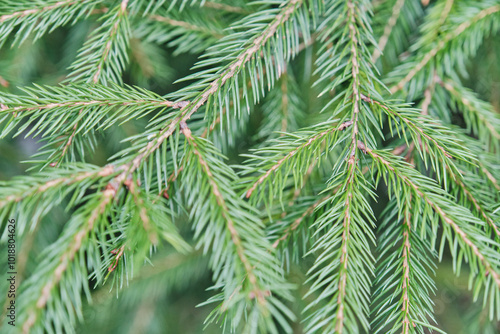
[
  {"x": 406, "y": 272},
  {"x": 132, "y": 188},
  {"x": 118, "y": 254},
  {"x": 4, "y": 82}
]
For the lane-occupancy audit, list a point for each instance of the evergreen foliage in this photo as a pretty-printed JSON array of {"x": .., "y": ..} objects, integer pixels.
[{"x": 317, "y": 161}]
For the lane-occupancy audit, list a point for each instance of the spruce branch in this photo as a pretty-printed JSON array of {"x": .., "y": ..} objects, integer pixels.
[
  {"x": 426, "y": 57},
  {"x": 344, "y": 263},
  {"x": 305, "y": 149},
  {"x": 344, "y": 255},
  {"x": 479, "y": 253},
  {"x": 213, "y": 89},
  {"x": 468, "y": 192},
  {"x": 79, "y": 232},
  {"x": 105, "y": 54},
  {"x": 54, "y": 277},
  {"x": 346, "y": 226},
  {"x": 213, "y": 84},
  {"x": 403, "y": 284},
  {"x": 225, "y": 213},
  {"x": 301, "y": 85},
  {"x": 382, "y": 42},
  {"x": 46, "y": 112},
  {"x": 232, "y": 225},
  {"x": 481, "y": 119},
  {"x": 40, "y": 17},
  {"x": 95, "y": 104},
  {"x": 406, "y": 274},
  {"x": 428, "y": 135},
  {"x": 301, "y": 210}
]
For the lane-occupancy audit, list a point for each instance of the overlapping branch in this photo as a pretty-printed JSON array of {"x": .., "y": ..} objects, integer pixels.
[
  {"x": 443, "y": 43},
  {"x": 426, "y": 191}
]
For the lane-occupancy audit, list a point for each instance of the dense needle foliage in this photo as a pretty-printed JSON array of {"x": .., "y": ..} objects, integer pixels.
[{"x": 318, "y": 162}]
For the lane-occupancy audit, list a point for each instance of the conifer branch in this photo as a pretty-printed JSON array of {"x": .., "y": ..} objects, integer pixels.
[
  {"x": 429, "y": 55},
  {"x": 382, "y": 42},
  {"x": 72, "y": 177},
  {"x": 344, "y": 256},
  {"x": 45, "y": 17},
  {"x": 67, "y": 256},
  {"x": 406, "y": 273},
  {"x": 242, "y": 58},
  {"x": 486, "y": 117},
  {"x": 214, "y": 87},
  {"x": 352, "y": 165},
  {"x": 353, "y": 36},
  {"x": 232, "y": 232},
  {"x": 293, "y": 84},
  {"x": 108, "y": 45},
  {"x": 46, "y": 8},
  {"x": 92, "y": 107},
  {"x": 479, "y": 207},
  {"x": 443, "y": 214},
  {"x": 341, "y": 268},
  {"x": 185, "y": 25},
  {"x": 107, "y": 48},
  {"x": 411, "y": 124},
  {"x": 297, "y": 150},
  {"x": 403, "y": 284},
  {"x": 225, "y": 213}
]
